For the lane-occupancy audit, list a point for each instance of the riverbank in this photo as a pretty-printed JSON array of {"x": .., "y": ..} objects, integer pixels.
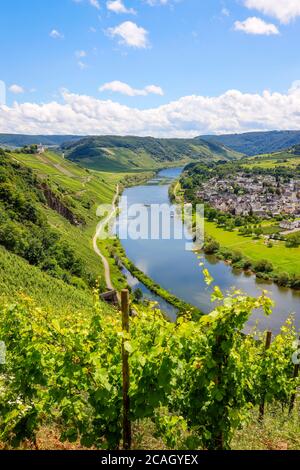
[
  {"x": 268, "y": 261},
  {"x": 121, "y": 258},
  {"x": 113, "y": 256},
  {"x": 168, "y": 263}
]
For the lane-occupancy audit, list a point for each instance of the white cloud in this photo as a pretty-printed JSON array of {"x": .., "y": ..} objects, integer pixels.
[
  {"x": 125, "y": 89},
  {"x": 256, "y": 26},
  {"x": 117, "y": 6},
  {"x": 189, "y": 116},
  {"x": 56, "y": 34},
  {"x": 16, "y": 89},
  {"x": 284, "y": 10},
  {"x": 95, "y": 4},
  {"x": 130, "y": 34},
  {"x": 225, "y": 11},
  {"x": 80, "y": 54},
  {"x": 82, "y": 65}
]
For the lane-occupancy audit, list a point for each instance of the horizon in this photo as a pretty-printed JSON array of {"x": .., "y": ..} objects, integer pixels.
[{"x": 150, "y": 136}]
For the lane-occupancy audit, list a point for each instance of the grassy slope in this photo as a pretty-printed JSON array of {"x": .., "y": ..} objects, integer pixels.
[
  {"x": 109, "y": 153},
  {"x": 283, "y": 259},
  {"x": 273, "y": 160},
  {"x": 18, "y": 279},
  {"x": 82, "y": 185}
]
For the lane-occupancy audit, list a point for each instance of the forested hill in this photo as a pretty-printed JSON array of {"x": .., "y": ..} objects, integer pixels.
[
  {"x": 124, "y": 153},
  {"x": 255, "y": 143},
  {"x": 20, "y": 140}
]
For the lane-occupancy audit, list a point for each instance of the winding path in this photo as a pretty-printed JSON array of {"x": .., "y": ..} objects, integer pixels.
[{"x": 99, "y": 229}]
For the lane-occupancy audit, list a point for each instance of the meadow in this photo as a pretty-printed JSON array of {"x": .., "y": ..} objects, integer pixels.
[
  {"x": 283, "y": 259},
  {"x": 273, "y": 160},
  {"x": 19, "y": 280}
]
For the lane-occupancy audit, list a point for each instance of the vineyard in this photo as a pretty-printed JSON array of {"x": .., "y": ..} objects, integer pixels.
[{"x": 197, "y": 382}]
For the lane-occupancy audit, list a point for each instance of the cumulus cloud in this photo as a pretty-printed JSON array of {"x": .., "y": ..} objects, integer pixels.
[
  {"x": 54, "y": 34},
  {"x": 130, "y": 34},
  {"x": 225, "y": 11},
  {"x": 93, "y": 3},
  {"x": 80, "y": 54},
  {"x": 82, "y": 65},
  {"x": 256, "y": 26},
  {"x": 189, "y": 116},
  {"x": 16, "y": 89},
  {"x": 284, "y": 10},
  {"x": 117, "y": 6},
  {"x": 120, "y": 87}
]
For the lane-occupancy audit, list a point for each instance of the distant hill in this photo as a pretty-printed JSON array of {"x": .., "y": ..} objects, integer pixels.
[
  {"x": 20, "y": 140},
  {"x": 255, "y": 143},
  {"x": 110, "y": 153}
]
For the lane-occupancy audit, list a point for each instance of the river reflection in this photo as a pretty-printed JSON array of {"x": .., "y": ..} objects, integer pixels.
[{"x": 169, "y": 264}]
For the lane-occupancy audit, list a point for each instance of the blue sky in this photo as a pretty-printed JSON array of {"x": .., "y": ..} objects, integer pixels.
[{"x": 147, "y": 54}]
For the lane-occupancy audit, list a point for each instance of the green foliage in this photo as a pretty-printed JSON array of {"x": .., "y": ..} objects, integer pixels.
[
  {"x": 24, "y": 229},
  {"x": 263, "y": 266},
  {"x": 19, "y": 279},
  {"x": 293, "y": 241},
  {"x": 196, "y": 380},
  {"x": 211, "y": 246}
]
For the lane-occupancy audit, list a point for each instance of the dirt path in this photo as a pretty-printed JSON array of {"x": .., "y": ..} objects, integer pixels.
[
  {"x": 99, "y": 229},
  {"x": 64, "y": 171}
]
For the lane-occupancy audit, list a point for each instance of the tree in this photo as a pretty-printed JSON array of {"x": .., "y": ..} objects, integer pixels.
[{"x": 293, "y": 241}]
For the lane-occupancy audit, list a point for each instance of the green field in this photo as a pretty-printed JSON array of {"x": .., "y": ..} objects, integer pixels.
[
  {"x": 19, "y": 280},
  {"x": 283, "y": 159},
  {"x": 283, "y": 259}
]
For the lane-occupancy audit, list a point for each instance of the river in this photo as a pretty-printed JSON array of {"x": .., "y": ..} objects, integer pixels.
[{"x": 177, "y": 270}]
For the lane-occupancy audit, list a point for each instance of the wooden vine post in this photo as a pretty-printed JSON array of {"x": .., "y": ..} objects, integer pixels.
[
  {"x": 262, "y": 404},
  {"x": 293, "y": 397},
  {"x": 125, "y": 371}
]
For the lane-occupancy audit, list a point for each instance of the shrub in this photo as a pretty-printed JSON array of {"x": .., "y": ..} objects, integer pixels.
[
  {"x": 211, "y": 247},
  {"x": 263, "y": 266}
]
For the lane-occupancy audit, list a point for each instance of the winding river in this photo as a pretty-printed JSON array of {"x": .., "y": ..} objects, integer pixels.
[{"x": 177, "y": 270}]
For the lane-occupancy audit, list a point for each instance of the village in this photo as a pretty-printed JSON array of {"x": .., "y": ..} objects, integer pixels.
[{"x": 264, "y": 196}]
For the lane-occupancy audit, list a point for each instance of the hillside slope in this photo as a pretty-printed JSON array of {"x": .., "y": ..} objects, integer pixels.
[
  {"x": 288, "y": 158},
  {"x": 254, "y": 143},
  {"x": 20, "y": 281},
  {"x": 47, "y": 221},
  {"x": 20, "y": 140},
  {"x": 136, "y": 153}
]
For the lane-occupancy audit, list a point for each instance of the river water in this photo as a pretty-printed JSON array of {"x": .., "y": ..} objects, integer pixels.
[{"x": 177, "y": 270}]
